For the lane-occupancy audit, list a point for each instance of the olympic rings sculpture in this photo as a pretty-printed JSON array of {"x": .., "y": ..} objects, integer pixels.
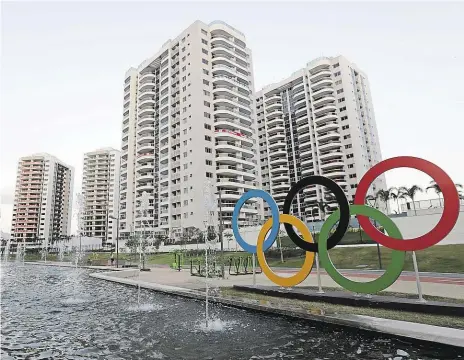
[{"x": 394, "y": 240}]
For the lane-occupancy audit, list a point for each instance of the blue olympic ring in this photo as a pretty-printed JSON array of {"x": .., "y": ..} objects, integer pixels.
[{"x": 256, "y": 193}]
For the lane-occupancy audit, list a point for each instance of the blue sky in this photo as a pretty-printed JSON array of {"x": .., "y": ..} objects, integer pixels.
[{"x": 63, "y": 63}]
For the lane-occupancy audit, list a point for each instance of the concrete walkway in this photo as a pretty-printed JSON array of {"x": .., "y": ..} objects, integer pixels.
[{"x": 167, "y": 276}]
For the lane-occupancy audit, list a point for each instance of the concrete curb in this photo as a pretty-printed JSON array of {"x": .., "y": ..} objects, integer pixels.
[
  {"x": 374, "y": 301},
  {"x": 403, "y": 329}
]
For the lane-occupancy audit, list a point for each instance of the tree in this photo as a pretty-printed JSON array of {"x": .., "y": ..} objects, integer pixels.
[
  {"x": 132, "y": 244},
  {"x": 385, "y": 195},
  {"x": 410, "y": 193},
  {"x": 228, "y": 236},
  {"x": 395, "y": 195},
  {"x": 323, "y": 207},
  {"x": 435, "y": 187}
]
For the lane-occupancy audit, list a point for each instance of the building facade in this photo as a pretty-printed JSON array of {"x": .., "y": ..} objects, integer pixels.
[
  {"x": 319, "y": 121},
  {"x": 42, "y": 209},
  {"x": 188, "y": 130},
  {"x": 100, "y": 192}
]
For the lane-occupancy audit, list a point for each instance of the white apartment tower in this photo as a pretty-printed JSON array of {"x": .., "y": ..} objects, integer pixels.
[
  {"x": 189, "y": 120},
  {"x": 43, "y": 200},
  {"x": 100, "y": 191},
  {"x": 319, "y": 121}
]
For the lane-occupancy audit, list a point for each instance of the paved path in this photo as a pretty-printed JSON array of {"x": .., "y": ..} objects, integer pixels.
[{"x": 431, "y": 285}]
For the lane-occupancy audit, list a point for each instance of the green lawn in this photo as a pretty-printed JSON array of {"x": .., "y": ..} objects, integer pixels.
[{"x": 439, "y": 258}]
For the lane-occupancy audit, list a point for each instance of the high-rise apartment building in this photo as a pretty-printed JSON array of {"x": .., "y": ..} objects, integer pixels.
[
  {"x": 189, "y": 120},
  {"x": 43, "y": 200},
  {"x": 100, "y": 191},
  {"x": 319, "y": 121}
]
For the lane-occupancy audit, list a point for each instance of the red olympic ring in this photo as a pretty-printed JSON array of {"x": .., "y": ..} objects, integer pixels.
[{"x": 450, "y": 196}]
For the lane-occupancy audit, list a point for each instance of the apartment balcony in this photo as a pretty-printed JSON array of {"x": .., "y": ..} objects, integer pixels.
[
  {"x": 302, "y": 127},
  {"x": 334, "y": 173},
  {"x": 320, "y": 75},
  {"x": 232, "y": 183},
  {"x": 306, "y": 153},
  {"x": 329, "y": 126},
  {"x": 304, "y": 136},
  {"x": 147, "y": 93},
  {"x": 275, "y": 170},
  {"x": 307, "y": 160},
  {"x": 228, "y": 146},
  {"x": 279, "y": 195},
  {"x": 146, "y": 137},
  {"x": 228, "y": 170},
  {"x": 273, "y": 98},
  {"x": 148, "y": 85},
  {"x": 146, "y": 147},
  {"x": 301, "y": 112},
  {"x": 307, "y": 172},
  {"x": 282, "y": 177},
  {"x": 230, "y": 135},
  {"x": 330, "y": 135},
  {"x": 149, "y": 102},
  {"x": 147, "y": 120},
  {"x": 330, "y": 146},
  {"x": 301, "y": 120},
  {"x": 144, "y": 177},
  {"x": 298, "y": 88},
  {"x": 230, "y": 81},
  {"x": 322, "y": 92},
  {"x": 220, "y": 46},
  {"x": 310, "y": 199},
  {"x": 231, "y": 112},
  {"x": 275, "y": 129},
  {"x": 277, "y": 145},
  {"x": 234, "y": 160},
  {"x": 324, "y": 100},
  {"x": 232, "y": 124},
  {"x": 274, "y": 106},
  {"x": 321, "y": 84},
  {"x": 276, "y": 136},
  {"x": 331, "y": 164},
  {"x": 324, "y": 110},
  {"x": 324, "y": 119},
  {"x": 300, "y": 103},
  {"x": 299, "y": 94},
  {"x": 228, "y": 90},
  {"x": 275, "y": 121},
  {"x": 145, "y": 157}
]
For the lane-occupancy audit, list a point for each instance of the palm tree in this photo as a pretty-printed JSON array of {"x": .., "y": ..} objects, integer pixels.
[
  {"x": 396, "y": 196},
  {"x": 323, "y": 207},
  {"x": 434, "y": 186},
  {"x": 410, "y": 193}
]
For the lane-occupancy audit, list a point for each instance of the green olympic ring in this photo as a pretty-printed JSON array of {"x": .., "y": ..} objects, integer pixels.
[{"x": 393, "y": 270}]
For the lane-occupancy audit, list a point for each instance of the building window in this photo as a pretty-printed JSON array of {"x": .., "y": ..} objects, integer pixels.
[
  {"x": 207, "y": 126},
  {"x": 208, "y": 150},
  {"x": 336, "y": 65},
  {"x": 184, "y": 68},
  {"x": 209, "y": 175},
  {"x": 339, "y": 91},
  {"x": 349, "y": 146},
  {"x": 207, "y": 138},
  {"x": 204, "y": 51},
  {"x": 185, "y": 166},
  {"x": 206, "y": 103},
  {"x": 184, "y": 78},
  {"x": 343, "y": 118},
  {"x": 350, "y": 166},
  {"x": 185, "y": 177},
  {"x": 338, "y": 82},
  {"x": 344, "y": 127},
  {"x": 352, "y": 176},
  {"x": 207, "y": 93},
  {"x": 338, "y": 73},
  {"x": 204, "y": 32},
  {"x": 185, "y": 153},
  {"x": 186, "y": 202},
  {"x": 347, "y": 136},
  {"x": 209, "y": 162},
  {"x": 341, "y": 99},
  {"x": 207, "y": 115},
  {"x": 203, "y": 41},
  {"x": 184, "y": 109},
  {"x": 349, "y": 156},
  {"x": 205, "y": 82},
  {"x": 204, "y": 61},
  {"x": 206, "y": 72},
  {"x": 342, "y": 108}
]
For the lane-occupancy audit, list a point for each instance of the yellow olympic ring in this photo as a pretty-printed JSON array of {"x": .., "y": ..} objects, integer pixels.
[{"x": 309, "y": 259}]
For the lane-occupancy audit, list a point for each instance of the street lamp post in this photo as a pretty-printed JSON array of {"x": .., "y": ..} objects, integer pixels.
[
  {"x": 117, "y": 239},
  {"x": 220, "y": 234}
]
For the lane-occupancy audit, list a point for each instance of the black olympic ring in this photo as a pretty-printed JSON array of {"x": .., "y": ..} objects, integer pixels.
[{"x": 337, "y": 191}]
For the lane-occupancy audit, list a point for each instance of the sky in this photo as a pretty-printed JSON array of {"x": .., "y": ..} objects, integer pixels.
[{"x": 63, "y": 64}]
